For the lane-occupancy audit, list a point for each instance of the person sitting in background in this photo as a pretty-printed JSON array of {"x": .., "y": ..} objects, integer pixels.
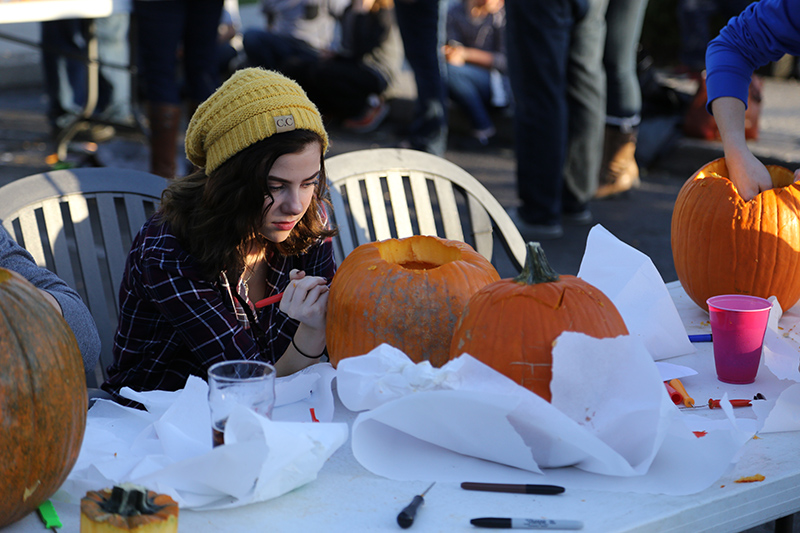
[
  {"x": 349, "y": 82},
  {"x": 296, "y": 30},
  {"x": 65, "y": 300},
  {"x": 763, "y": 32},
  {"x": 476, "y": 62},
  {"x": 249, "y": 224}
]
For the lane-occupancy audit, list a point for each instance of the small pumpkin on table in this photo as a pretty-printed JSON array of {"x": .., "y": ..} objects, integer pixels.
[{"x": 511, "y": 325}]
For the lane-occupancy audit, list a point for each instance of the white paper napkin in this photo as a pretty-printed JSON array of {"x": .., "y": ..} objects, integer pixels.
[
  {"x": 630, "y": 280},
  {"x": 610, "y": 415},
  {"x": 168, "y": 447}
]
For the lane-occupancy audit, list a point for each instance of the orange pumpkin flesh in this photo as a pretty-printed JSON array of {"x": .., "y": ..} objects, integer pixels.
[
  {"x": 511, "y": 325},
  {"x": 407, "y": 293},
  {"x": 42, "y": 398},
  {"x": 724, "y": 245}
]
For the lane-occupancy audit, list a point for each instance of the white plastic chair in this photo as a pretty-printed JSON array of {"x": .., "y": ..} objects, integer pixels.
[
  {"x": 388, "y": 193},
  {"x": 79, "y": 224}
]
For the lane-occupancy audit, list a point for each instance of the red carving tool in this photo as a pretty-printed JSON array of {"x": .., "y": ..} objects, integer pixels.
[
  {"x": 275, "y": 298},
  {"x": 735, "y": 403},
  {"x": 714, "y": 404}
]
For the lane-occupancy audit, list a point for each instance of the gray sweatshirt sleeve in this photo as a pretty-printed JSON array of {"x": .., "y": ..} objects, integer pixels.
[{"x": 14, "y": 257}]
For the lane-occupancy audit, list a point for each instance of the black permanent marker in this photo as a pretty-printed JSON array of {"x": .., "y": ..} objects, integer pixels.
[{"x": 526, "y": 523}]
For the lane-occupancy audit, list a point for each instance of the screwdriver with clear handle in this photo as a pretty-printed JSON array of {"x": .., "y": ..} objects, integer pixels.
[{"x": 406, "y": 516}]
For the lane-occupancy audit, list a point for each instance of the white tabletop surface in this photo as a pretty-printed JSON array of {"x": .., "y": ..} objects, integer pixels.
[{"x": 347, "y": 497}]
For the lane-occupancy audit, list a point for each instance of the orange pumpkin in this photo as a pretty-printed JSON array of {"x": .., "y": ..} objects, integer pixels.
[
  {"x": 42, "y": 398},
  {"x": 408, "y": 293},
  {"x": 724, "y": 245},
  {"x": 511, "y": 325}
]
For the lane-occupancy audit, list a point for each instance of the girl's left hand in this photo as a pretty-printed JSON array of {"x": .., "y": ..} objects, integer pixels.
[{"x": 306, "y": 299}]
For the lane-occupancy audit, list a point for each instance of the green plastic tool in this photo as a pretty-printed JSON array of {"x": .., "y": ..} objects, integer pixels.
[{"x": 49, "y": 515}]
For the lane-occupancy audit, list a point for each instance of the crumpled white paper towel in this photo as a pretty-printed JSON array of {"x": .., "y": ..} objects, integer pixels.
[
  {"x": 168, "y": 447},
  {"x": 610, "y": 415},
  {"x": 631, "y": 281}
]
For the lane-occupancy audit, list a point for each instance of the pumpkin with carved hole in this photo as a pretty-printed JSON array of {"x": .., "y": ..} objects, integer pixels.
[
  {"x": 511, "y": 325},
  {"x": 407, "y": 293},
  {"x": 42, "y": 398},
  {"x": 724, "y": 245}
]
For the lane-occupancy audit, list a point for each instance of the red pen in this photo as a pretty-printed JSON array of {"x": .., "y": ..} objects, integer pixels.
[{"x": 275, "y": 298}]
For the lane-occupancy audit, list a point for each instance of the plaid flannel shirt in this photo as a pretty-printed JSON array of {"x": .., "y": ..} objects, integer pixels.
[{"x": 174, "y": 323}]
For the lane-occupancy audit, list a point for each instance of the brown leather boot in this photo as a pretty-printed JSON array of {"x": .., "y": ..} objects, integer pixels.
[
  {"x": 164, "y": 122},
  {"x": 619, "y": 171}
]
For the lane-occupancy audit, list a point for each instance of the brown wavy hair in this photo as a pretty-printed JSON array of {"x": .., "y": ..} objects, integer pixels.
[{"x": 216, "y": 218}]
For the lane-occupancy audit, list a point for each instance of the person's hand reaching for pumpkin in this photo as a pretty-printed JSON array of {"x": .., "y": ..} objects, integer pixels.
[{"x": 747, "y": 173}]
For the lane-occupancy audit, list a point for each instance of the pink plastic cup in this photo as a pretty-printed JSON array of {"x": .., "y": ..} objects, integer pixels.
[{"x": 738, "y": 325}]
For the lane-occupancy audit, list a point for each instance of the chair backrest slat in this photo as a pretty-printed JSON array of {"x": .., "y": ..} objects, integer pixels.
[
  {"x": 426, "y": 194},
  {"x": 113, "y": 247},
  {"x": 59, "y": 247},
  {"x": 448, "y": 207},
  {"x": 377, "y": 207},
  {"x": 397, "y": 196},
  {"x": 422, "y": 203},
  {"x": 30, "y": 235},
  {"x": 89, "y": 247}
]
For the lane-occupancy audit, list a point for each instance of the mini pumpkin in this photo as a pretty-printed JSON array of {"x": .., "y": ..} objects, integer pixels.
[
  {"x": 42, "y": 398},
  {"x": 128, "y": 508},
  {"x": 724, "y": 245},
  {"x": 407, "y": 293},
  {"x": 511, "y": 325}
]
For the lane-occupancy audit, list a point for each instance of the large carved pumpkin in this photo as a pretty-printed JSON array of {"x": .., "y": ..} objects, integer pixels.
[
  {"x": 42, "y": 398},
  {"x": 511, "y": 325},
  {"x": 408, "y": 293},
  {"x": 724, "y": 245}
]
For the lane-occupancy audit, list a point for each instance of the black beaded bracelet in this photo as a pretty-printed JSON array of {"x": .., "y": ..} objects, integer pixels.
[{"x": 305, "y": 354}]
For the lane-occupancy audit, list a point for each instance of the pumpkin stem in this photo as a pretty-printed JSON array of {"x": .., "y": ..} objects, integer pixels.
[
  {"x": 129, "y": 500},
  {"x": 537, "y": 269}
]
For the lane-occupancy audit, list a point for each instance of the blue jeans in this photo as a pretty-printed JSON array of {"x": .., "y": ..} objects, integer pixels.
[
  {"x": 470, "y": 88},
  {"x": 421, "y": 24},
  {"x": 165, "y": 26},
  {"x": 539, "y": 34},
  {"x": 272, "y": 51}
]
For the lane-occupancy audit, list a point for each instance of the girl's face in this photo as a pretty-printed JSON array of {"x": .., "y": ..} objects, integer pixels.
[{"x": 292, "y": 183}]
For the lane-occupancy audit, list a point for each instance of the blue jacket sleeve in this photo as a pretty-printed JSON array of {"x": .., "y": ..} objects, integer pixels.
[{"x": 763, "y": 32}]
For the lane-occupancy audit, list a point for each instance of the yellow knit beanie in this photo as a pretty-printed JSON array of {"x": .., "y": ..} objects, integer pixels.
[{"x": 251, "y": 105}]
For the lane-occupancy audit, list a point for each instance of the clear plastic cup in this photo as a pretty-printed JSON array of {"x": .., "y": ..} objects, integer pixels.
[
  {"x": 738, "y": 325},
  {"x": 232, "y": 383}
]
